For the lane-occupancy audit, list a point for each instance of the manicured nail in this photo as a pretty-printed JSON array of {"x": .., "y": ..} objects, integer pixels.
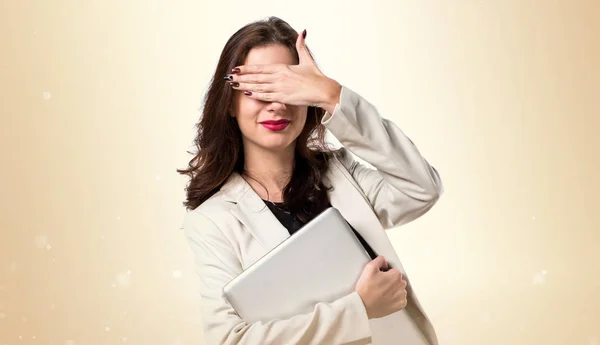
[
  {"x": 235, "y": 70},
  {"x": 247, "y": 93},
  {"x": 234, "y": 84},
  {"x": 228, "y": 77},
  {"x": 304, "y": 34}
]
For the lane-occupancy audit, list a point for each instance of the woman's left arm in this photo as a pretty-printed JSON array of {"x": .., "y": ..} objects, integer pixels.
[{"x": 403, "y": 186}]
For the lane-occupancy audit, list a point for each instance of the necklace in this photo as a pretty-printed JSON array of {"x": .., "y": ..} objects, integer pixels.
[
  {"x": 279, "y": 206},
  {"x": 245, "y": 174}
]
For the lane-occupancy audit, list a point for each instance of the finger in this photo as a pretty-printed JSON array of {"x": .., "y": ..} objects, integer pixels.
[
  {"x": 251, "y": 78},
  {"x": 303, "y": 54},
  {"x": 247, "y": 69},
  {"x": 265, "y": 97},
  {"x": 378, "y": 263},
  {"x": 403, "y": 303},
  {"x": 395, "y": 273},
  {"x": 386, "y": 267},
  {"x": 258, "y": 88}
]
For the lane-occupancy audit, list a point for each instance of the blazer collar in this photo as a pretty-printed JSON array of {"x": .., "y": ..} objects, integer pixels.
[{"x": 251, "y": 211}]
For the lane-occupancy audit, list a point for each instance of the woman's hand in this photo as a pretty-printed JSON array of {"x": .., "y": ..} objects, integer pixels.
[
  {"x": 301, "y": 84},
  {"x": 382, "y": 290}
]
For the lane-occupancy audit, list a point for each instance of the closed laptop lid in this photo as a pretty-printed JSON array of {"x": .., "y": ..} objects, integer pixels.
[{"x": 321, "y": 262}]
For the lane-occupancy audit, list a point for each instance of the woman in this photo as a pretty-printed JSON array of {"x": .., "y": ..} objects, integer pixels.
[{"x": 262, "y": 170}]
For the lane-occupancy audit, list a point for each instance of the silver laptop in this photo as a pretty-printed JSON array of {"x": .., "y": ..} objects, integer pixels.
[{"x": 320, "y": 262}]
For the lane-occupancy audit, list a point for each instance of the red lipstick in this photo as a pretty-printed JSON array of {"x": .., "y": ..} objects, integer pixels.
[{"x": 275, "y": 125}]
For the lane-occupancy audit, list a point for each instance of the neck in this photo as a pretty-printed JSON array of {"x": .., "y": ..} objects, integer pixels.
[{"x": 270, "y": 170}]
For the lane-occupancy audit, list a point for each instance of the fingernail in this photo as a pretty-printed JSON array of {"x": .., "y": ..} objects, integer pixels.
[
  {"x": 304, "y": 34},
  {"x": 234, "y": 84},
  {"x": 228, "y": 77},
  {"x": 247, "y": 93},
  {"x": 235, "y": 70}
]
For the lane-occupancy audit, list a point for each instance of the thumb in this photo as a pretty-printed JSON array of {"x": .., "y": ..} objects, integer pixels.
[
  {"x": 303, "y": 53},
  {"x": 378, "y": 264}
]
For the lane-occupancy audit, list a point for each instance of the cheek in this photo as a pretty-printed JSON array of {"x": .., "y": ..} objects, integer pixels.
[
  {"x": 300, "y": 125},
  {"x": 246, "y": 123},
  {"x": 247, "y": 114}
]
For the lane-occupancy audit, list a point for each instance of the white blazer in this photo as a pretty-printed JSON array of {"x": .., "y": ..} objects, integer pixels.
[{"x": 233, "y": 229}]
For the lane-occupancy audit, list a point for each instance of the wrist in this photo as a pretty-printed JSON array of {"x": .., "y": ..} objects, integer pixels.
[
  {"x": 367, "y": 309},
  {"x": 331, "y": 95}
]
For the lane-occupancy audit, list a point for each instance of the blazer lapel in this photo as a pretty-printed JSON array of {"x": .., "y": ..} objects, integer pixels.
[
  {"x": 254, "y": 214},
  {"x": 346, "y": 197}
]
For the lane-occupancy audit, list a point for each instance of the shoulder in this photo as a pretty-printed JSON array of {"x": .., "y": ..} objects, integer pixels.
[
  {"x": 210, "y": 218},
  {"x": 208, "y": 230},
  {"x": 215, "y": 209}
]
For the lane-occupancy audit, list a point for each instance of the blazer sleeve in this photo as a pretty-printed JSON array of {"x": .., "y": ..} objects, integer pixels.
[
  {"x": 403, "y": 185},
  {"x": 343, "y": 321}
]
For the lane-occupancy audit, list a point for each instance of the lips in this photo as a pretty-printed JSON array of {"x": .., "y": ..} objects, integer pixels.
[
  {"x": 275, "y": 125},
  {"x": 275, "y": 122}
]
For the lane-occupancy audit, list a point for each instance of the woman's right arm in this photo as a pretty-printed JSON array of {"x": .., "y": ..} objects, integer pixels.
[{"x": 342, "y": 321}]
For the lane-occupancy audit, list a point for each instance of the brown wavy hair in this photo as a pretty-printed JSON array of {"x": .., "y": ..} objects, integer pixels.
[{"x": 218, "y": 143}]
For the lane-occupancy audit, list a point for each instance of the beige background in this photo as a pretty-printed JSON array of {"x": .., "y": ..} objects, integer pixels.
[{"x": 99, "y": 100}]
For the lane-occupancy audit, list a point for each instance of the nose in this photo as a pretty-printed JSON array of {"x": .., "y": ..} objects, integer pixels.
[{"x": 277, "y": 106}]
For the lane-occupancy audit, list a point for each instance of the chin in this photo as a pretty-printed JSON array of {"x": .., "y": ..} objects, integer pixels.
[
  {"x": 277, "y": 145},
  {"x": 276, "y": 142}
]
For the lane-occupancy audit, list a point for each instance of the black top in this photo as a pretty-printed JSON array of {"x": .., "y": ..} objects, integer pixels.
[{"x": 292, "y": 223}]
